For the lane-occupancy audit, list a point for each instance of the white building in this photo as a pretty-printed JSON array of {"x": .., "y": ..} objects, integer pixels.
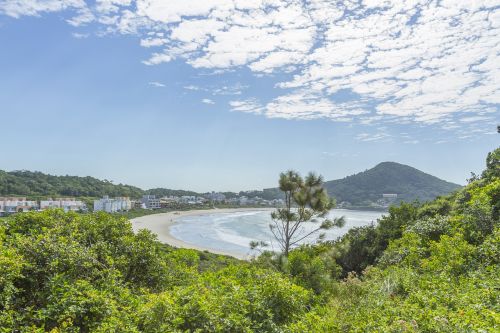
[
  {"x": 68, "y": 204},
  {"x": 217, "y": 197},
  {"x": 188, "y": 199},
  {"x": 151, "y": 202},
  {"x": 278, "y": 202},
  {"x": 170, "y": 199},
  {"x": 120, "y": 204},
  {"x": 16, "y": 205}
]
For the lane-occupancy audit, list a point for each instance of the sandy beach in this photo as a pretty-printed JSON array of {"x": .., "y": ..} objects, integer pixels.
[{"x": 160, "y": 225}]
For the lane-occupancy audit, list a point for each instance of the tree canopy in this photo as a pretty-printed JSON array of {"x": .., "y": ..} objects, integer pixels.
[
  {"x": 28, "y": 183},
  {"x": 305, "y": 201}
]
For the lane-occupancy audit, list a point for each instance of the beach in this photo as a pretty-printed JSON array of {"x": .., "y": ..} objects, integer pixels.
[{"x": 160, "y": 225}]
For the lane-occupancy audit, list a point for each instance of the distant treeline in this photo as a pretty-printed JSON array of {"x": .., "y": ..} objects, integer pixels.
[
  {"x": 38, "y": 184},
  {"x": 266, "y": 194},
  {"x": 28, "y": 183}
]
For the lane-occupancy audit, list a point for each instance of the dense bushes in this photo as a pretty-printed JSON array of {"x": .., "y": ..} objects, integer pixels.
[
  {"x": 436, "y": 268},
  {"x": 229, "y": 300},
  {"x": 430, "y": 267},
  {"x": 311, "y": 267},
  {"x": 90, "y": 273}
]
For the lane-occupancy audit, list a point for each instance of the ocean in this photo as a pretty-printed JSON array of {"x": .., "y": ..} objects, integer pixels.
[{"x": 233, "y": 232}]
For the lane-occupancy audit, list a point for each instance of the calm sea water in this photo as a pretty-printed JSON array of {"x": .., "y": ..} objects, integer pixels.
[{"x": 232, "y": 232}]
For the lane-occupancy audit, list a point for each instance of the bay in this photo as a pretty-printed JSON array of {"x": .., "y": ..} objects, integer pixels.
[{"x": 233, "y": 232}]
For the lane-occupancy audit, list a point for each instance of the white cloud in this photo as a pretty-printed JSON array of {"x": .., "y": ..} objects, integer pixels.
[
  {"x": 305, "y": 105},
  {"x": 192, "y": 87},
  {"x": 111, "y": 6},
  {"x": 156, "y": 84},
  {"x": 78, "y": 35},
  {"x": 153, "y": 42},
  {"x": 248, "y": 106},
  {"x": 473, "y": 119},
  {"x": 422, "y": 61},
  {"x": 157, "y": 58},
  {"x": 273, "y": 60},
  {"x": 175, "y": 10},
  {"x": 228, "y": 90},
  {"x": 18, "y": 8},
  {"x": 368, "y": 137},
  {"x": 207, "y": 101},
  {"x": 224, "y": 90},
  {"x": 196, "y": 31},
  {"x": 83, "y": 17},
  {"x": 241, "y": 45}
]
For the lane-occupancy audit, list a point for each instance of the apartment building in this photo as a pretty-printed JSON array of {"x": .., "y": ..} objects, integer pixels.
[
  {"x": 112, "y": 205},
  {"x": 10, "y": 205},
  {"x": 68, "y": 204},
  {"x": 151, "y": 202}
]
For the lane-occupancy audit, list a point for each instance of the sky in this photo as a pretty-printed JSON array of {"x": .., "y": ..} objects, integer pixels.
[{"x": 226, "y": 94}]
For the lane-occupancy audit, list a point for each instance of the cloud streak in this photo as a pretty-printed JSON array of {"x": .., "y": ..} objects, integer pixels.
[
  {"x": 207, "y": 101},
  {"x": 156, "y": 84}
]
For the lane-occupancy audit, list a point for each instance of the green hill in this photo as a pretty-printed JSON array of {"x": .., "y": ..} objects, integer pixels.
[
  {"x": 408, "y": 183},
  {"x": 28, "y": 183},
  {"x": 362, "y": 189}
]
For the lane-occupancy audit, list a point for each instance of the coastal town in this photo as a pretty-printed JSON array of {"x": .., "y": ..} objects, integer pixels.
[{"x": 12, "y": 205}]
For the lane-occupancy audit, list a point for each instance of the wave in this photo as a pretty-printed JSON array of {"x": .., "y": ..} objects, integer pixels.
[{"x": 234, "y": 231}]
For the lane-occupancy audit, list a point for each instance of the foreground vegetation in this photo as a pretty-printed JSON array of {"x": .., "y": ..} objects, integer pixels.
[{"x": 430, "y": 267}]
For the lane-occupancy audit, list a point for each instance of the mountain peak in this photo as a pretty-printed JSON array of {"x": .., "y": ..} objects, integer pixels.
[
  {"x": 408, "y": 183},
  {"x": 389, "y": 163}
]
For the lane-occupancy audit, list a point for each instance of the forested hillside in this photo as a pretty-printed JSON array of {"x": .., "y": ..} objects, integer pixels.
[
  {"x": 391, "y": 178},
  {"x": 361, "y": 189},
  {"x": 27, "y": 183},
  {"x": 432, "y": 267},
  {"x": 164, "y": 192}
]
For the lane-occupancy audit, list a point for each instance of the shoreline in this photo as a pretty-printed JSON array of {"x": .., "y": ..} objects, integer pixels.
[{"x": 160, "y": 224}]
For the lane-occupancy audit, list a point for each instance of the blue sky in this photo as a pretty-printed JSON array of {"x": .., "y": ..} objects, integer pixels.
[{"x": 225, "y": 94}]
